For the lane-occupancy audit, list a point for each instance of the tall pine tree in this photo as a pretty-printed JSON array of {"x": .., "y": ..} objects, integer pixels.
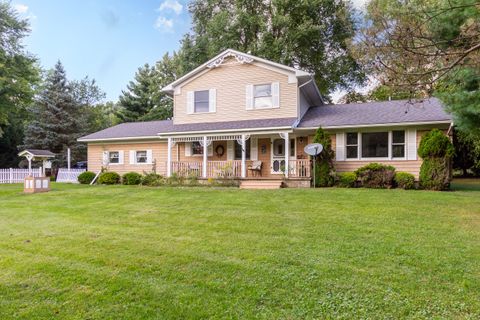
[
  {"x": 143, "y": 99},
  {"x": 57, "y": 121}
]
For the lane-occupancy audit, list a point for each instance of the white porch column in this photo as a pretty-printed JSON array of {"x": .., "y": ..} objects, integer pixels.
[
  {"x": 287, "y": 153},
  {"x": 205, "y": 155},
  {"x": 244, "y": 157},
  {"x": 169, "y": 157}
]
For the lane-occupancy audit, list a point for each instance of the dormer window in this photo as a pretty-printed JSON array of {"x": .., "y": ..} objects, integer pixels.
[
  {"x": 201, "y": 101},
  {"x": 263, "y": 96}
]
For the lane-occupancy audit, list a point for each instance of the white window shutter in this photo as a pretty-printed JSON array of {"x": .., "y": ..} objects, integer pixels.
[
  {"x": 132, "y": 157},
  {"x": 149, "y": 156},
  {"x": 230, "y": 150},
  {"x": 411, "y": 136},
  {"x": 210, "y": 150},
  {"x": 276, "y": 94},
  {"x": 188, "y": 149},
  {"x": 253, "y": 149},
  {"x": 190, "y": 102},
  {"x": 120, "y": 157},
  {"x": 212, "y": 100},
  {"x": 340, "y": 146},
  {"x": 249, "y": 97},
  {"x": 106, "y": 158}
]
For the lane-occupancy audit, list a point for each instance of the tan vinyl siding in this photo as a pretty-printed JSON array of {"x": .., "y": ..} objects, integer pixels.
[
  {"x": 159, "y": 157},
  {"x": 410, "y": 166},
  {"x": 230, "y": 82}
]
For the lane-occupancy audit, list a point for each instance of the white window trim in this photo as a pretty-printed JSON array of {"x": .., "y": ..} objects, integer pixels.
[
  {"x": 113, "y": 163},
  {"x": 390, "y": 139},
  {"x": 201, "y": 112},
  {"x": 146, "y": 157},
  {"x": 253, "y": 107}
]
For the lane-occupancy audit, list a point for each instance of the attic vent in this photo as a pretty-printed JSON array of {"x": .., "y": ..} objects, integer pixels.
[{"x": 239, "y": 57}]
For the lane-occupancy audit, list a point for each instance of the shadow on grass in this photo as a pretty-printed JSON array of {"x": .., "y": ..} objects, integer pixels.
[{"x": 466, "y": 184}]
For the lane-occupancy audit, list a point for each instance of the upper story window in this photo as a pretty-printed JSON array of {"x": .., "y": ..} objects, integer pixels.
[
  {"x": 114, "y": 157},
  {"x": 201, "y": 101},
  {"x": 141, "y": 156},
  {"x": 262, "y": 95}
]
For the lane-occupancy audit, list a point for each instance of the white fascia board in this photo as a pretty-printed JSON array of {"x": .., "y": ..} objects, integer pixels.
[
  {"x": 393, "y": 124},
  {"x": 119, "y": 139},
  {"x": 226, "y": 131}
]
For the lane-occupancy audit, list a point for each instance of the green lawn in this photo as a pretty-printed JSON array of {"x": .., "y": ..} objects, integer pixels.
[{"x": 82, "y": 252}]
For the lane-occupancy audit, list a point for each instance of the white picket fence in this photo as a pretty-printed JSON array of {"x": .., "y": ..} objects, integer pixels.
[
  {"x": 71, "y": 176},
  {"x": 13, "y": 175}
]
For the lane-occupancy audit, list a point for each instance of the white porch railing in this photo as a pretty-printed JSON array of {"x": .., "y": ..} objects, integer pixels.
[
  {"x": 12, "y": 175},
  {"x": 187, "y": 168},
  {"x": 299, "y": 168},
  {"x": 224, "y": 169},
  {"x": 70, "y": 176}
]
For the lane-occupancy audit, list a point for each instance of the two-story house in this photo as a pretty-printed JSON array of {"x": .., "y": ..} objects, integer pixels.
[{"x": 243, "y": 117}]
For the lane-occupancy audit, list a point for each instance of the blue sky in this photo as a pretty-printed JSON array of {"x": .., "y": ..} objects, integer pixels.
[{"x": 105, "y": 39}]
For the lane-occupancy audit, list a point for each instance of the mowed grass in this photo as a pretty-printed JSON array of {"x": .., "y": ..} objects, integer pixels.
[{"x": 118, "y": 252}]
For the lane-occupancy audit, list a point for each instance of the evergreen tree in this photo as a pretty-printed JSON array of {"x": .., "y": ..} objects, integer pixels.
[
  {"x": 143, "y": 99},
  {"x": 56, "y": 118}
]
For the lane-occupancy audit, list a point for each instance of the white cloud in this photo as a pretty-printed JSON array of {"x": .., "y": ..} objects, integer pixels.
[
  {"x": 173, "y": 5},
  {"x": 164, "y": 24},
  {"x": 21, "y": 8}
]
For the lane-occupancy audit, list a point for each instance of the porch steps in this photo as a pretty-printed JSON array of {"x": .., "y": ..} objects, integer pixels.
[{"x": 261, "y": 184}]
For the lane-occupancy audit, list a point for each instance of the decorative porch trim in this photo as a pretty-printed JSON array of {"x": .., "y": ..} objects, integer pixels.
[{"x": 209, "y": 138}]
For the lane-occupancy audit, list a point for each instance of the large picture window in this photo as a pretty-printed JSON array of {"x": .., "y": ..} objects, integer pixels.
[
  {"x": 387, "y": 144},
  {"x": 201, "y": 101},
  {"x": 263, "y": 96},
  {"x": 238, "y": 150},
  {"x": 375, "y": 145}
]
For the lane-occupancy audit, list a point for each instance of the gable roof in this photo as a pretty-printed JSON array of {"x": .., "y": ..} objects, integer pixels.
[
  {"x": 376, "y": 113},
  {"x": 37, "y": 153},
  {"x": 242, "y": 58}
]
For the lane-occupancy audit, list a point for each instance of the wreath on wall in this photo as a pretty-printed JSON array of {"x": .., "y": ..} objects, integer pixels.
[{"x": 220, "y": 150}]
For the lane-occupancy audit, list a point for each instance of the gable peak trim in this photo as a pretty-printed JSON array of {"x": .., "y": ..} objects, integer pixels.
[{"x": 240, "y": 57}]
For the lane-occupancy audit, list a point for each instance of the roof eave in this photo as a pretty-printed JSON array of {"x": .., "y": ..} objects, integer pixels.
[{"x": 394, "y": 124}]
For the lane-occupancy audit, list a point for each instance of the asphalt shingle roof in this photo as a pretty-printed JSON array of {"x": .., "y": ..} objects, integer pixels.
[
  {"x": 385, "y": 112},
  {"x": 153, "y": 128}
]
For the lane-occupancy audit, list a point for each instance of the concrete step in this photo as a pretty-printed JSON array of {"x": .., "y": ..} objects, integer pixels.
[{"x": 261, "y": 184}]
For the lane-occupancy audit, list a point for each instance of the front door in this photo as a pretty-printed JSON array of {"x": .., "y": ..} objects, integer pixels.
[{"x": 278, "y": 155}]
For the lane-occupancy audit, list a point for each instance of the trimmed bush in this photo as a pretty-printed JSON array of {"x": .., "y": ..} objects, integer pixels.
[
  {"x": 436, "y": 150},
  {"x": 109, "y": 178},
  {"x": 86, "y": 177},
  {"x": 376, "y": 175},
  {"x": 152, "y": 180},
  {"x": 132, "y": 178},
  {"x": 404, "y": 180},
  {"x": 324, "y": 171},
  {"x": 346, "y": 180}
]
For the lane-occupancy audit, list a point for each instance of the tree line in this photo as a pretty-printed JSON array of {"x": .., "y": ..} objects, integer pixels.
[{"x": 412, "y": 49}]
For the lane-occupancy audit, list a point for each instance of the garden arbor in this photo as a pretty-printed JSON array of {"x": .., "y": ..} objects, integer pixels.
[{"x": 37, "y": 155}]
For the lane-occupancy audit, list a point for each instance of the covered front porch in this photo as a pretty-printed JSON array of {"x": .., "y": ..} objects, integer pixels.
[{"x": 243, "y": 156}]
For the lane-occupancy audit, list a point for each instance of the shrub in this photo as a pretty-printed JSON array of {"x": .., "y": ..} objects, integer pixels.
[
  {"x": 435, "y": 174},
  {"x": 404, "y": 180},
  {"x": 132, "y": 178},
  {"x": 152, "y": 180},
  {"x": 324, "y": 171},
  {"x": 109, "y": 178},
  {"x": 436, "y": 150},
  {"x": 347, "y": 180},
  {"x": 376, "y": 175},
  {"x": 435, "y": 144},
  {"x": 86, "y": 177}
]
